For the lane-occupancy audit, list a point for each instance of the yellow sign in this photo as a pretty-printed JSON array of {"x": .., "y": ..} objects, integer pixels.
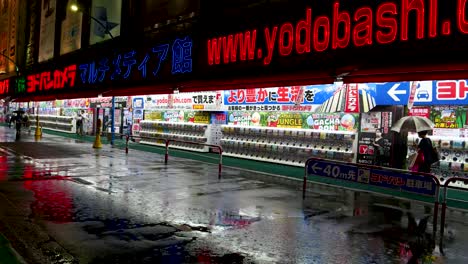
[
  {"x": 287, "y": 120},
  {"x": 202, "y": 118},
  {"x": 153, "y": 116},
  {"x": 198, "y": 107}
]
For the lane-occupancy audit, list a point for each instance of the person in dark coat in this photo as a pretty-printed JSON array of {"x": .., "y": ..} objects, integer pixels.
[{"x": 425, "y": 148}]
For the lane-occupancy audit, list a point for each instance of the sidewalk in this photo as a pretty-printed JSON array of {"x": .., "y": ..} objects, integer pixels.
[{"x": 457, "y": 199}]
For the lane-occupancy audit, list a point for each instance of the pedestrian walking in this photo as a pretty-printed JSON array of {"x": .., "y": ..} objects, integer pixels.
[
  {"x": 79, "y": 123},
  {"x": 12, "y": 119}
]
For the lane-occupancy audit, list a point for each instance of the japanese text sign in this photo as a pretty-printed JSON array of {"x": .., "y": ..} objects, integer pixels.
[
  {"x": 139, "y": 64},
  {"x": 4, "y": 86},
  {"x": 278, "y": 95},
  {"x": 379, "y": 177},
  {"x": 51, "y": 80},
  {"x": 352, "y": 99}
]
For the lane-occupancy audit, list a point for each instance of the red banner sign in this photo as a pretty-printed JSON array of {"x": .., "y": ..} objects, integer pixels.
[
  {"x": 352, "y": 99},
  {"x": 420, "y": 111}
]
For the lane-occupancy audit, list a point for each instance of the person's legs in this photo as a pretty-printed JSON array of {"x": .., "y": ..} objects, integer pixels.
[
  {"x": 18, "y": 127},
  {"x": 78, "y": 127}
]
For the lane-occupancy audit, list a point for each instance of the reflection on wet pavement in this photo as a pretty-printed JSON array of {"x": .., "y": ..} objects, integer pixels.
[{"x": 105, "y": 207}]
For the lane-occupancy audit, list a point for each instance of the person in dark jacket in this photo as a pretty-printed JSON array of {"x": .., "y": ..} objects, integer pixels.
[{"x": 425, "y": 147}]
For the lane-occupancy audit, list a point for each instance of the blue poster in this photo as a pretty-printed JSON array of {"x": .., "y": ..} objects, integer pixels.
[
  {"x": 451, "y": 92},
  {"x": 290, "y": 95},
  {"x": 379, "y": 177}
]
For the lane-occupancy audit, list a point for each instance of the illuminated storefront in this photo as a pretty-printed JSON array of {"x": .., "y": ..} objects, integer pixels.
[{"x": 268, "y": 83}]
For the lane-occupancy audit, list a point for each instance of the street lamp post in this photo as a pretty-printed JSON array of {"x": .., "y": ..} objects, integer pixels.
[{"x": 75, "y": 8}]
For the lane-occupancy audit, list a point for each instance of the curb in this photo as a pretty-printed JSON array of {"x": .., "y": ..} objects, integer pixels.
[{"x": 8, "y": 254}]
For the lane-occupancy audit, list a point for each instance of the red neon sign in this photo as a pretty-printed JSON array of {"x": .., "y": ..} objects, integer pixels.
[
  {"x": 4, "y": 86},
  {"x": 51, "y": 80},
  {"x": 383, "y": 24}
]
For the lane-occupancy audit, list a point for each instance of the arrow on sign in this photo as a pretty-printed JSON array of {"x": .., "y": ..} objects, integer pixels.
[
  {"x": 315, "y": 168},
  {"x": 393, "y": 92}
]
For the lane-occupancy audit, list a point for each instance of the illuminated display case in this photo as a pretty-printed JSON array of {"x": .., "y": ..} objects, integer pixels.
[
  {"x": 289, "y": 146},
  {"x": 57, "y": 123},
  {"x": 184, "y": 131},
  {"x": 453, "y": 153}
]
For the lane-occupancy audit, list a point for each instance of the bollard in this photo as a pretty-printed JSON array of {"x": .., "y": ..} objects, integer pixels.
[
  {"x": 304, "y": 184},
  {"x": 220, "y": 164},
  {"x": 38, "y": 132},
  {"x": 126, "y": 144},
  {"x": 97, "y": 140},
  {"x": 436, "y": 213},
  {"x": 442, "y": 228},
  {"x": 166, "y": 156}
]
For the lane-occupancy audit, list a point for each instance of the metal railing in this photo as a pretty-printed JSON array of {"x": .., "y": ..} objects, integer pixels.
[
  {"x": 444, "y": 205},
  {"x": 435, "y": 180},
  {"x": 167, "y": 144}
]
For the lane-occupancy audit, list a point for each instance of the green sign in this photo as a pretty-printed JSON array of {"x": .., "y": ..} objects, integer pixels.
[{"x": 449, "y": 116}]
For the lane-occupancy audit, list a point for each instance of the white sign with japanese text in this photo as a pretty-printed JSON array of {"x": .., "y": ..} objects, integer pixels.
[{"x": 185, "y": 101}]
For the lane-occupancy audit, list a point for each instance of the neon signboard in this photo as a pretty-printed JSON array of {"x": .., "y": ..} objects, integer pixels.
[
  {"x": 384, "y": 23},
  {"x": 142, "y": 63},
  {"x": 51, "y": 80},
  {"x": 4, "y": 86}
]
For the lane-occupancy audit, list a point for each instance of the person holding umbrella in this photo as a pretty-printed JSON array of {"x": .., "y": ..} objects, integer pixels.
[{"x": 421, "y": 125}]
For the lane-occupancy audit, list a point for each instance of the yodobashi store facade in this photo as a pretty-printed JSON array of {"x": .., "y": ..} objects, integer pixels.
[
  {"x": 395, "y": 43},
  {"x": 290, "y": 46}
]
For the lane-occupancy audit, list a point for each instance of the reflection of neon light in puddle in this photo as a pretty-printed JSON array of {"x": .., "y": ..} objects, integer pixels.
[
  {"x": 52, "y": 201},
  {"x": 3, "y": 168},
  {"x": 234, "y": 219}
]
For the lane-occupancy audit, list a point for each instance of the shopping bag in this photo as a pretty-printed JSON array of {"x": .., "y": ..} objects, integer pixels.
[
  {"x": 418, "y": 161},
  {"x": 412, "y": 159}
]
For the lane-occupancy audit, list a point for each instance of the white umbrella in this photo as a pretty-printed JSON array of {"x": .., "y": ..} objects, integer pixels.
[{"x": 413, "y": 123}]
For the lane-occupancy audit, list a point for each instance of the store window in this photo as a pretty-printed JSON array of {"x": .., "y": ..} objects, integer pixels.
[
  {"x": 159, "y": 13},
  {"x": 47, "y": 31},
  {"x": 71, "y": 32},
  {"x": 109, "y": 15}
]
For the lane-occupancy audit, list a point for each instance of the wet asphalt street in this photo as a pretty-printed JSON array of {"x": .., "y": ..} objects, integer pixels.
[{"x": 64, "y": 202}]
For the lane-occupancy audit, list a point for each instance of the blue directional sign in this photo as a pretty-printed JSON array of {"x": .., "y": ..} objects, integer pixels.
[
  {"x": 379, "y": 177},
  {"x": 333, "y": 170},
  {"x": 391, "y": 93},
  {"x": 450, "y": 92}
]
